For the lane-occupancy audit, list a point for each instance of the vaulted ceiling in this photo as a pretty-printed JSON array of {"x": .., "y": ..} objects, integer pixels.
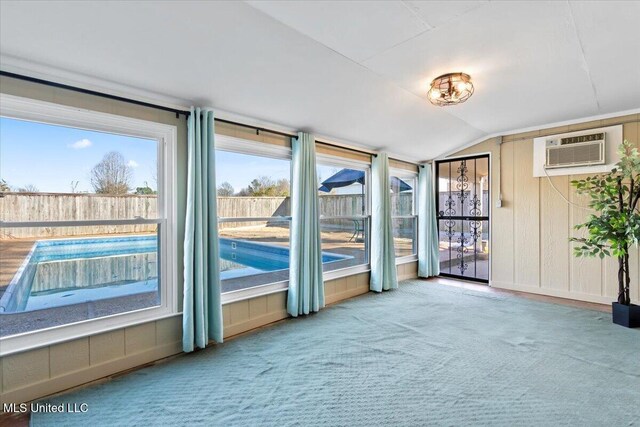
[{"x": 355, "y": 71}]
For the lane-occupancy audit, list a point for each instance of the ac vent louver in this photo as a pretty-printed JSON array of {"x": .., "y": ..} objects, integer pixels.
[{"x": 582, "y": 150}]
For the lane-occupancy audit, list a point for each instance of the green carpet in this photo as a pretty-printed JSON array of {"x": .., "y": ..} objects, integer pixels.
[{"x": 425, "y": 354}]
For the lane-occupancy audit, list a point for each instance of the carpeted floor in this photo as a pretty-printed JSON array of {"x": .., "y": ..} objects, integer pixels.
[{"x": 425, "y": 354}]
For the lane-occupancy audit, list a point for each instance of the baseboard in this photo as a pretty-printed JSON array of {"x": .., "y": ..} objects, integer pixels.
[
  {"x": 599, "y": 299},
  {"x": 92, "y": 373}
]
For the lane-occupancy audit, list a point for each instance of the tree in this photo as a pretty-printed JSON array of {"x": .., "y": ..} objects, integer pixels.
[
  {"x": 4, "y": 187},
  {"x": 146, "y": 190},
  {"x": 225, "y": 190},
  {"x": 616, "y": 226},
  {"x": 266, "y": 187},
  {"x": 29, "y": 188},
  {"x": 111, "y": 175}
]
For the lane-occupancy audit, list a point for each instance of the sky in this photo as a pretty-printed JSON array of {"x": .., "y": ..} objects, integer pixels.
[
  {"x": 51, "y": 157},
  {"x": 240, "y": 169}
]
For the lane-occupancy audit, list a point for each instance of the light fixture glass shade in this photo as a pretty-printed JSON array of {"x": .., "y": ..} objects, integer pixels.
[{"x": 450, "y": 89}]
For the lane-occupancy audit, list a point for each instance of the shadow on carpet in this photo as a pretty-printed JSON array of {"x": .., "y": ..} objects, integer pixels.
[{"x": 425, "y": 354}]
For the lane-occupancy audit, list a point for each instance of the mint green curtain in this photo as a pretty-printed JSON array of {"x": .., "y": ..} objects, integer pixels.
[
  {"x": 383, "y": 254},
  {"x": 428, "y": 254},
  {"x": 306, "y": 289},
  {"x": 202, "y": 311}
]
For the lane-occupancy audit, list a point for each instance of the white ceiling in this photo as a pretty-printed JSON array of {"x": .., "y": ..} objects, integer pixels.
[{"x": 355, "y": 71}]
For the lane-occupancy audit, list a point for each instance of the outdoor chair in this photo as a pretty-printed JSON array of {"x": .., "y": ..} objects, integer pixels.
[{"x": 358, "y": 230}]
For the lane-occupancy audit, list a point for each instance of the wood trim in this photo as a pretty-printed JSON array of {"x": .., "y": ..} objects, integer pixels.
[
  {"x": 400, "y": 164},
  {"x": 345, "y": 153},
  {"x": 598, "y": 299}
]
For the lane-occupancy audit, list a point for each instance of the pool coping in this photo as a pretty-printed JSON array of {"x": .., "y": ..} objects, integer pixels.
[{"x": 13, "y": 286}]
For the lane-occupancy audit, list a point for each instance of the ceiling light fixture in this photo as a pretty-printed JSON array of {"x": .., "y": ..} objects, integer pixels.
[{"x": 450, "y": 89}]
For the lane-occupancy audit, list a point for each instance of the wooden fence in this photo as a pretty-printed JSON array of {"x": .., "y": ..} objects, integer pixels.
[{"x": 24, "y": 207}]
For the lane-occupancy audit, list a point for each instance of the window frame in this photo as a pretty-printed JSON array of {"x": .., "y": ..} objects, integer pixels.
[
  {"x": 341, "y": 162},
  {"x": 237, "y": 145},
  {"x": 401, "y": 174},
  {"x": 33, "y": 110}
]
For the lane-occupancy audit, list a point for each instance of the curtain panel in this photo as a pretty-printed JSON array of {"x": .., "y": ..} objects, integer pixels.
[
  {"x": 428, "y": 253},
  {"x": 306, "y": 288},
  {"x": 202, "y": 311},
  {"x": 383, "y": 255}
]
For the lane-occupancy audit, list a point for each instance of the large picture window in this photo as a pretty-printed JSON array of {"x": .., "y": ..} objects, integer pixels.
[
  {"x": 254, "y": 213},
  {"x": 343, "y": 189},
  {"x": 86, "y": 231},
  {"x": 403, "y": 212}
]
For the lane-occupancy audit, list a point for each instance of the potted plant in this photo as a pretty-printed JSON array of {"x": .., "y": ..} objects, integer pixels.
[{"x": 614, "y": 228}]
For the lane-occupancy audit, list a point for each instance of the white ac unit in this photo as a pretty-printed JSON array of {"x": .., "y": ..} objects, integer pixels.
[
  {"x": 574, "y": 151},
  {"x": 591, "y": 151}
]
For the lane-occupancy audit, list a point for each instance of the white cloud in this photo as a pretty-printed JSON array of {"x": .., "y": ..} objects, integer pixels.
[
  {"x": 79, "y": 145},
  {"x": 133, "y": 164}
]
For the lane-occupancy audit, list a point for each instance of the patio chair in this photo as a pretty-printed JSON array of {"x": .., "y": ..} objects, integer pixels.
[{"x": 358, "y": 230}]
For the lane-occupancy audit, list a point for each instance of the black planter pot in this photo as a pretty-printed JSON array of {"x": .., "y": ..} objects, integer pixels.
[{"x": 626, "y": 315}]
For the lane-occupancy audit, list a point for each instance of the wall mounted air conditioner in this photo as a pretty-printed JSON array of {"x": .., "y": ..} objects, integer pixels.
[{"x": 574, "y": 153}]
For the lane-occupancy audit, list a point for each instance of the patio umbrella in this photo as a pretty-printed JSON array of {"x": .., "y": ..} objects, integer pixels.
[{"x": 347, "y": 177}]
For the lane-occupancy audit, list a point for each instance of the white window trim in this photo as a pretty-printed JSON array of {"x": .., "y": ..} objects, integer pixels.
[
  {"x": 329, "y": 160},
  {"x": 253, "y": 292},
  {"x": 403, "y": 173},
  {"x": 262, "y": 149},
  {"x": 166, "y": 135}
]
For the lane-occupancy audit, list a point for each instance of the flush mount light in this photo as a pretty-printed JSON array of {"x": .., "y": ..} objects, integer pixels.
[{"x": 450, "y": 89}]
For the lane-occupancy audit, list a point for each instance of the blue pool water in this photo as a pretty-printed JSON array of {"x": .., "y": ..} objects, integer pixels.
[{"x": 73, "y": 271}]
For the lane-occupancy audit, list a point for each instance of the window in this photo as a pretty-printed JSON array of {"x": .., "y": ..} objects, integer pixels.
[
  {"x": 254, "y": 212},
  {"x": 86, "y": 222},
  {"x": 403, "y": 212},
  {"x": 344, "y": 212}
]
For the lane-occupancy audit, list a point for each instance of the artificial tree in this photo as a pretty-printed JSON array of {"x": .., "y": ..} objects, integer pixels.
[{"x": 615, "y": 227}]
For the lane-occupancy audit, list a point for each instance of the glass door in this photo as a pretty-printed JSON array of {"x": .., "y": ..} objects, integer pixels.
[{"x": 462, "y": 191}]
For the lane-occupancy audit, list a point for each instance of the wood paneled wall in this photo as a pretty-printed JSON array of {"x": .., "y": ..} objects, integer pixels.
[{"x": 530, "y": 233}]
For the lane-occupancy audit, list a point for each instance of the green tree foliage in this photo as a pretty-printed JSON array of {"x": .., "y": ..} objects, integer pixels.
[
  {"x": 145, "y": 191},
  {"x": 615, "y": 228},
  {"x": 266, "y": 187},
  {"x": 4, "y": 187}
]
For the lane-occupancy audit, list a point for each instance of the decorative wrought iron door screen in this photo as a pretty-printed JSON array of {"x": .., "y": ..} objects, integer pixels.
[{"x": 463, "y": 201}]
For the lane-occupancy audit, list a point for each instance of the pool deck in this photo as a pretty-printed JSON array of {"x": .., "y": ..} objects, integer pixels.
[
  {"x": 14, "y": 251},
  {"x": 12, "y": 255}
]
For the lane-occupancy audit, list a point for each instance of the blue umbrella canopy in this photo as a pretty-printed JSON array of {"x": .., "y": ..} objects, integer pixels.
[{"x": 347, "y": 177}]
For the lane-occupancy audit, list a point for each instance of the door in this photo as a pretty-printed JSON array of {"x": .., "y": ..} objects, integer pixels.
[{"x": 462, "y": 192}]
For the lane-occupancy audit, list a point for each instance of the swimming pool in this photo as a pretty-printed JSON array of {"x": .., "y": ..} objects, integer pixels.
[{"x": 73, "y": 271}]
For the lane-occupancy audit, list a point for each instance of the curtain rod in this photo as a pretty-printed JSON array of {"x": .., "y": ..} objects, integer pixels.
[
  {"x": 177, "y": 112},
  {"x": 95, "y": 93},
  {"x": 347, "y": 148}
]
